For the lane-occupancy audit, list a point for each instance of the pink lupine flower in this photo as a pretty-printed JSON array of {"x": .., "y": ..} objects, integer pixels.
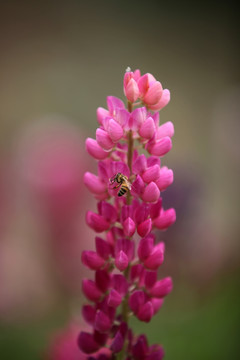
[{"x": 129, "y": 207}]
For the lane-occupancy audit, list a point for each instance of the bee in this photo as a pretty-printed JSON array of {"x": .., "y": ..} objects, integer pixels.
[{"x": 122, "y": 182}]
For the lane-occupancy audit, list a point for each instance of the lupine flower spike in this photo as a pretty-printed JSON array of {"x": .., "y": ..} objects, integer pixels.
[{"x": 128, "y": 189}]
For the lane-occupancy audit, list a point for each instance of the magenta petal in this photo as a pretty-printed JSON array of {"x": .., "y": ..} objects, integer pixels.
[
  {"x": 145, "y": 312},
  {"x": 117, "y": 343},
  {"x": 161, "y": 147},
  {"x": 118, "y": 167},
  {"x": 89, "y": 313},
  {"x": 151, "y": 193},
  {"x": 104, "y": 139},
  {"x": 151, "y": 174},
  {"x": 136, "y": 272},
  {"x": 103, "y": 248},
  {"x": 108, "y": 211},
  {"x": 155, "y": 209},
  {"x": 95, "y": 150},
  {"x": 102, "y": 322},
  {"x": 150, "y": 279},
  {"x": 96, "y": 222},
  {"x": 140, "y": 164},
  {"x": 87, "y": 343},
  {"x": 129, "y": 227},
  {"x": 166, "y": 219},
  {"x": 138, "y": 186},
  {"x": 115, "y": 130},
  {"x": 144, "y": 228},
  {"x": 162, "y": 288},
  {"x": 147, "y": 129},
  {"x": 90, "y": 290},
  {"x": 153, "y": 160},
  {"x": 120, "y": 284},
  {"x": 102, "y": 280},
  {"x": 121, "y": 261},
  {"x": 127, "y": 246},
  {"x": 93, "y": 183},
  {"x": 145, "y": 247},
  {"x": 157, "y": 304},
  {"x": 137, "y": 299},
  {"x": 155, "y": 259},
  {"x": 92, "y": 260},
  {"x": 140, "y": 348},
  {"x": 114, "y": 299},
  {"x": 141, "y": 213}
]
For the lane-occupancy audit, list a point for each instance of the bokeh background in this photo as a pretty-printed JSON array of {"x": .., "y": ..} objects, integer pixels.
[{"x": 58, "y": 62}]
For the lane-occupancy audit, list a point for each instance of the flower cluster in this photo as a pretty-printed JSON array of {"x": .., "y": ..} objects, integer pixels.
[{"x": 127, "y": 187}]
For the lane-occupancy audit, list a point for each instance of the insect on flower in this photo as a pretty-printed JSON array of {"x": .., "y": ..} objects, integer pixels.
[{"x": 122, "y": 182}]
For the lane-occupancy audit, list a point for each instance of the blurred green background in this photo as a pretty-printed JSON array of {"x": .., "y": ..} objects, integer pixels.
[{"x": 58, "y": 62}]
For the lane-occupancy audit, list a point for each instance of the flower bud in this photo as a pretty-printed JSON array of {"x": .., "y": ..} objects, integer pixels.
[
  {"x": 145, "y": 247},
  {"x": 153, "y": 94},
  {"x": 89, "y": 313},
  {"x": 131, "y": 90},
  {"x": 166, "y": 129},
  {"x": 155, "y": 259}
]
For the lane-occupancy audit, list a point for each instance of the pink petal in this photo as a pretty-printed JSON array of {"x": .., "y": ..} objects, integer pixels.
[
  {"x": 104, "y": 140},
  {"x": 114, "y": 103},
  {"x": 162, "y": 288},
  {"x": 103, "y": 248},
  {"x": 92, "y": 260},
  {"x": 138, "y": 116},
  {"x": 164, "y": 100},
  {"x": 153, "y": 94},
  {"x": 145, "y": 312},
  {"x": 145, "y": 247},
  {"x": 129, "y": 227},
  {"x": 138, "y": 186},
  {"x": 115, "y": 130},
  {"x": 96, "y": 222},
  {"x": 90, "y": 290},
  {"x": 114, "y": 299},
  {"x": 87, "y": 343},
  {"x": 161, "y": 147},
  {"x": 166, "y": 219},
  {"x": 147, "y": 129},
  {"x": 151, "y": 193},
  {"x": 131, "y": 91},
  {"x": 121, "y": 261},
  {"x": 102, "y": 322},
  {"x": 151, "y": 174},
  {"x": 139, "y": 164},
  {"x": 101, "y": 114},
  {"x": 165, "y": 179},
  {"x": 144, "y": 228},
  {"x": 95, "y": 150},
  {"x": 137, "y": 299},
  {"x": 93, "y": 183},
  {"x": 155, "y": 259},
  {"x": 166, "y": 129}
]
